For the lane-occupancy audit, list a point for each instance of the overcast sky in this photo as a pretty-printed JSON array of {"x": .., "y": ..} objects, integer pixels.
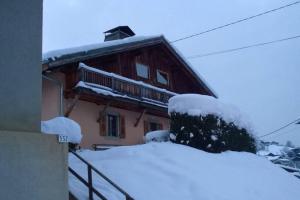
[{"x": 263, "y": 82}]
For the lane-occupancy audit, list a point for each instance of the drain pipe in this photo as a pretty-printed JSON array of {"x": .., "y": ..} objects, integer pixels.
[{"x": 61, "y": 92}]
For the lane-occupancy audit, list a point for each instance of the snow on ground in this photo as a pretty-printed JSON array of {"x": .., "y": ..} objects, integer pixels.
[
  {"x": 277, "y": 150},
  {"x": 172, "y": 171},
  {"x": 202, "y": 105},
  {"x": 157, "y": 136},
  {"x": 63, "y": 126}
]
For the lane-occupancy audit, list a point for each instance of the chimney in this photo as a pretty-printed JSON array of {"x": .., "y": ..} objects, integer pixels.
[{"x": 117, "y": 33}]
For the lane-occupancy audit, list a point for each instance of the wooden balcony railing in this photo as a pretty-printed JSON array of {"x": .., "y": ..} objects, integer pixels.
[{"x": 124, "y": 86}]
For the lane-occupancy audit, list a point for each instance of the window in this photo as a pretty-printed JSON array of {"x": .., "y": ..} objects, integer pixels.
[
  {"x": 112, "y": 125},
  {"x": 152, "y": 126},
  {"x": 162, "y": 77},
  {"x": 142, "y": 70}
]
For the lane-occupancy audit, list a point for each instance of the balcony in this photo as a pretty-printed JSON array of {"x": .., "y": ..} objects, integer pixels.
[{"x": 110, "y": 84}]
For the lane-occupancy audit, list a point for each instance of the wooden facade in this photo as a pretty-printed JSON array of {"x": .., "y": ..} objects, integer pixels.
[{"x": 156, "y": 57}]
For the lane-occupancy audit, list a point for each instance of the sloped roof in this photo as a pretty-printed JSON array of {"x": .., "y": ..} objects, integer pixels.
[{"x": 60, "y": 57}]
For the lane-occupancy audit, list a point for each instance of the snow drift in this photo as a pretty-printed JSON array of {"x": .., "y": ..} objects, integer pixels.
[
  {"x": 63, "y": 126},
  {"x": 170, "y": 171}
]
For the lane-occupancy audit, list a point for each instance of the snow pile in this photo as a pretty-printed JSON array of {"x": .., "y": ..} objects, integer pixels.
[
  {"x": 274, "y": 150},
  {"x": 157, "y": 136},
  {"x": 174, "y": 172},
  {"x": 63, "y": 126},
  {"x": 277, "y": 149},
  {"x": 202, "y": 105}
]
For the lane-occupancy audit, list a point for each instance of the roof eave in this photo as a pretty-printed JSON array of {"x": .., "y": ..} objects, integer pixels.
[
  {"x": 188, "y": 67},
  {"x": 101, "y": 52}
]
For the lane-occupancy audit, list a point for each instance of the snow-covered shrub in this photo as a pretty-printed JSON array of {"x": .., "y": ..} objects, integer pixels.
[
  {"x": 205, "y": 123},
  {"x": 157, "y": 136}
]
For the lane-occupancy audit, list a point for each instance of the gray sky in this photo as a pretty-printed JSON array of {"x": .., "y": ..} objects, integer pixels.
[{"x": 263, "y": 82}]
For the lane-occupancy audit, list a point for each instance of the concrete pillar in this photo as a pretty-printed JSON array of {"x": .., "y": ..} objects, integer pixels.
[
  {"x": 32, "y": 165},
  {"x": 20, "y": 64}
]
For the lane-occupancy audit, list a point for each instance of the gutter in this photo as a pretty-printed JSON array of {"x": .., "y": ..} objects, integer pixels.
[{"x": 61, "y": 91}]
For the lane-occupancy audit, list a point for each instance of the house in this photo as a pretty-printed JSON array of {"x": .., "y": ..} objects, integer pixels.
[{"x": 119, "y": 89}]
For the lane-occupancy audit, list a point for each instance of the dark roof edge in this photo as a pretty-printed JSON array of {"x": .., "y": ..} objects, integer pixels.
[
  {"x": 188, "y": 66},
  {"x": 77, "y": 56}
]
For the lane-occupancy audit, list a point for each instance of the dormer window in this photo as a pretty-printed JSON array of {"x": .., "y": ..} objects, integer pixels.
[
  {"x": 162, "y": 77},
  {"x": 142, "y": 70}
]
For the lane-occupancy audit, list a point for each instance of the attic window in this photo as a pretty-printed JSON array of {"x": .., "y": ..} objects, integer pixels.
[
  {"x": 142, "y": 70},
  {"x": 162, "y": 77}
]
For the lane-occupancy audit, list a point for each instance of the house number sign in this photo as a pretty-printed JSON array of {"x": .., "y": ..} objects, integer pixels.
[{"x": 63, "y": 139}]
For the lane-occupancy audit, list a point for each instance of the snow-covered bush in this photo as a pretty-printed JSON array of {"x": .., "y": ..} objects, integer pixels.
[
  {"x": 63, "y": 126},
  {"x": 157, "y": 136},
  {"x": 206, "y": 123}
]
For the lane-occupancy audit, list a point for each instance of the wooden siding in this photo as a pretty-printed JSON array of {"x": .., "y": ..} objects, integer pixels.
[{"x": 156, "y": 57}]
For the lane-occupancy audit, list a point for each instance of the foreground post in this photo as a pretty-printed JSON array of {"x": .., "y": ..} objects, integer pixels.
[{"x": 32, "y": 165}]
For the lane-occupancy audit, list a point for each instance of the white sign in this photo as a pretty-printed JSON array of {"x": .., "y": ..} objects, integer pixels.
[{"x": 63, "y": 138}]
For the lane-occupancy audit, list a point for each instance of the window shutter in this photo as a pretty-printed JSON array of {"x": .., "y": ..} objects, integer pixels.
[
  {"x": 122, "y": 127},
  {"x": 103, "y": 126},
  {"x": 160, "y": 126},
  {"x": 146, "y": 127}
]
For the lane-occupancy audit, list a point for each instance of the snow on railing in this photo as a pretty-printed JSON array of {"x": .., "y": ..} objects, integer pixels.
[{"x": 124, "y": 86}]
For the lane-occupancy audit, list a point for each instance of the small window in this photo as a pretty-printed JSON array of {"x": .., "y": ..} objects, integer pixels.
[
  {"x": 154, "y": 126},
  {"x": 142, "y": 70},
  {"x": 162, "y": 77},
  {"x": 112, "y": 125}
]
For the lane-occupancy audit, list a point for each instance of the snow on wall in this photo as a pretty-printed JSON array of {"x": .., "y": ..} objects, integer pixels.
[
  {"x": 63, "y": 126},
  {"x": 202, "y": 105}
]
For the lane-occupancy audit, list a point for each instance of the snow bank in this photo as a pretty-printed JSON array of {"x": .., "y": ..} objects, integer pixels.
[
  {"x": 157, "y": 136},
  {"x": 63, "y": 126},
  {"x": 174, "y": 172},
  {"x": 196, "y": 105}
]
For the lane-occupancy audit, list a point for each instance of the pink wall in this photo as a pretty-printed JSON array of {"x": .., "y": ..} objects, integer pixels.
[
  {"x": 86, "y": 114},
  {"x": 50, "y": 97}
]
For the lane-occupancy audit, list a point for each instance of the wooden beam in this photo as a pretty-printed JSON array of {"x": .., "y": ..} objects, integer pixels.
[
  {"x": 139, "y": 118},
  {"x": 71, "y": 107},
  {"x": 103, "y": 111}
]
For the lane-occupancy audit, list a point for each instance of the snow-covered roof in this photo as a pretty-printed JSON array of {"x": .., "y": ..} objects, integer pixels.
[
  {"x": 76, "y": 54},
  {"x": 60, "y": 53}
]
